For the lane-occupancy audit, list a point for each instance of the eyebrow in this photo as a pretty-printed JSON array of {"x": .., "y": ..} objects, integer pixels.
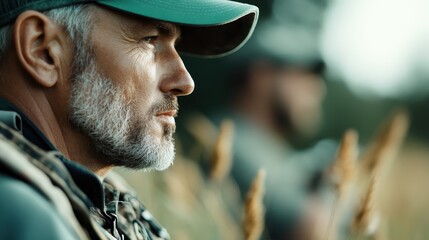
[
  {"x": 168, "y": 29},
  {"x": 164, "y": 28}
]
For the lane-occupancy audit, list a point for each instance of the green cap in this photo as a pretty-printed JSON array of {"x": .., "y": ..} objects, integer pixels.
[{"x": 209, "y": 27}]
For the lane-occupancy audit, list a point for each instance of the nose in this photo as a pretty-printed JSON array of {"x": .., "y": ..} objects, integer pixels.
[{"x": 177, "y": 80}]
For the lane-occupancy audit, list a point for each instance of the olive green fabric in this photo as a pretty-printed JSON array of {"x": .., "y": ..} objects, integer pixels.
[{"x": 209, "y": 27}]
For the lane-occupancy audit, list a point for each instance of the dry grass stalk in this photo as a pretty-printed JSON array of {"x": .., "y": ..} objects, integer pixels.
[
  {"x": 353, "y": 181},
  {"x": 222, "y": 156},
  {"x": 386, "y": 143},
  {"x": 345, "y": 168},
  {"x": 342, "y": 175},
  {"x": 254, "y": 209},
  {"x": 203, "y": 130},
  {"x": 377, "y": 160},
  {"x": 366, "y": 220}
]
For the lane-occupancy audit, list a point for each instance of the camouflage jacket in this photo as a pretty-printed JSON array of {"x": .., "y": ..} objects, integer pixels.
[{"x": 89, "y": 209}]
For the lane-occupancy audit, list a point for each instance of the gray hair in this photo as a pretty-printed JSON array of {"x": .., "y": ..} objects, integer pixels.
[{"x": 76, "y": 19}]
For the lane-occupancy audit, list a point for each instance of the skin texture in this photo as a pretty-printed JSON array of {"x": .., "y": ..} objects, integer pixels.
[
  {"x": 142, "y": 61},
  {"x": 138, "y": 55}
]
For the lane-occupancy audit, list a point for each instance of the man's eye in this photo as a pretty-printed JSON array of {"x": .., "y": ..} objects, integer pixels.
[{"x": 150, "y": 39}]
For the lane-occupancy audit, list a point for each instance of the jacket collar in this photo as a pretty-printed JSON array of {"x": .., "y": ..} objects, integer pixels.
[{"x": 86, "y": 180}]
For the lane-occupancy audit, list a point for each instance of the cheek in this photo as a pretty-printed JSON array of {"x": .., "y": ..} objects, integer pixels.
[
  {"x": 142, "y": 81},
  {"x": 134, "y": 71},
  {"x": 284, "y": 93},
  {"x": 135, "y": 75},
  {"x": 141, "y": 85}
]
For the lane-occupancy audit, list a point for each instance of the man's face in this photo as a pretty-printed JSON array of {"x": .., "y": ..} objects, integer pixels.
[
  {"x": 298, "y": 95},
  {"x": 125, "y": 97}
]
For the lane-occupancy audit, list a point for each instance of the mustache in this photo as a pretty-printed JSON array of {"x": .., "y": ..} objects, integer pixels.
[{"x": 168, "y": 104}]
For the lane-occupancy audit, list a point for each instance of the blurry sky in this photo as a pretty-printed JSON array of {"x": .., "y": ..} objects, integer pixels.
[{"x": 379, "y": 47}]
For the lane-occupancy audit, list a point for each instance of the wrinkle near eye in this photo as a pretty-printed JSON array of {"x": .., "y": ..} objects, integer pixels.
[
  {"x": 131, "y": 44},
  {"x": 138, "y": 49}
]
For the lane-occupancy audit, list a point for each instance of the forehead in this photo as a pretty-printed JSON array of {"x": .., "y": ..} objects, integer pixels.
[{"x": 133, "y": 23}]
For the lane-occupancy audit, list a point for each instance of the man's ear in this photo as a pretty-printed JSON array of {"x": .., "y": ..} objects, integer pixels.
[{"x": 38, "y": 47}]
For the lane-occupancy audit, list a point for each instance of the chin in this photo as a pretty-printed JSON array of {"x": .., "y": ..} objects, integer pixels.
[
  {"x": 159, "y": 166},
  {"x": 167, "y": 155},
  {"x": 160, "y": 156},
  {"x": 163, "y": 166}
]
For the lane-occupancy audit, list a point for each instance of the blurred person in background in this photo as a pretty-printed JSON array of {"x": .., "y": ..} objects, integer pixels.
[{"x": 277, "y": 97}]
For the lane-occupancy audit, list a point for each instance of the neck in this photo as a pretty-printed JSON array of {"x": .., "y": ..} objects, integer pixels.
[
  {"x": 81, "y": 149},
  {"x": 49, "y": 112}
]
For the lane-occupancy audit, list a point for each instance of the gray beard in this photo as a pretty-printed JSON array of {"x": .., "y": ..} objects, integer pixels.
[{"x": 99, "y": 109}]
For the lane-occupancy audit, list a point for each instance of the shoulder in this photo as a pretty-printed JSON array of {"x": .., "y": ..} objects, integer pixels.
[{"x": 26, "y": 214}]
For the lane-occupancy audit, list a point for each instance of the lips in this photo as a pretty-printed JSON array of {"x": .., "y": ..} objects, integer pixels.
[
  {"x": 168, "y": 113},
  {"x": 167, "y": 117},
  {"x": 167, "y": 110}
]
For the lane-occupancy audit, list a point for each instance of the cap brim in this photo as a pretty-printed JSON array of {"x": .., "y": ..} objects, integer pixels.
[{"x": 210, "y": 28}]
